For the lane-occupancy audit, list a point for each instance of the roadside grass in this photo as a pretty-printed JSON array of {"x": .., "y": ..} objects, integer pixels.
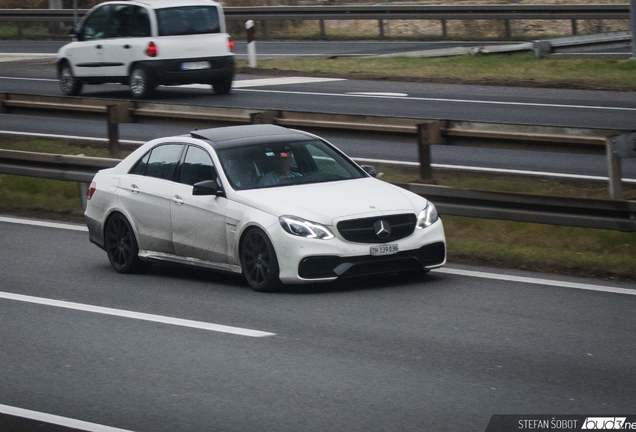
[
  {"x": 37, "y": 31},
  {"x": 499, "y": 69},
  {"x": 536, "y": 247}
]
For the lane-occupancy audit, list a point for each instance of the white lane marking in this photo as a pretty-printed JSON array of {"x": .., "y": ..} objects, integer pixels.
[
  {"x": 136, "y": 315},
  {"x": 261, "y": 82},
  {"x": 409, "y": 98},
  {"x": 536, "y": 281},
  {"x": 470, "y": 101},
  {"x": 388, "y": 94},
  {"x": 45, "y": 224},
  {"x": 58, "y": 420},
  {"x": 494, "y": 170},
  {"x": 29, "y": 79}
]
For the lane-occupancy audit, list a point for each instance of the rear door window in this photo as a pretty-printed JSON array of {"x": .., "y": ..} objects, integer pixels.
[
  {"x": 188, "y": 20},
  {"x": 163, "y": 161}
]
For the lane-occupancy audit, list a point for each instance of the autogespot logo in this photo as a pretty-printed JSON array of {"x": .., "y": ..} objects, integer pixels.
[{"x": 607, "y": 423}]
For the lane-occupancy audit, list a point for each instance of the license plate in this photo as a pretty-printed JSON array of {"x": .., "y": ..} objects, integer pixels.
[
  {"x": 195, "y": 65},
  {"x": 384, "y": 250}
]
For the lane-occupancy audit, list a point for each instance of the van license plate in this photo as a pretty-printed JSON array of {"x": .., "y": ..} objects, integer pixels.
[
  {"x": 384, "y": 250},
  {"x": 195, "y": 65}
]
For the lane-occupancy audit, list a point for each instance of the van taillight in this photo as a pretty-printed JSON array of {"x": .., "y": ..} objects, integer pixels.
[
  {"x": 230, "y": 44},
  {"x": 151, "y": 51},
  {"x": 91, "y": 190}
]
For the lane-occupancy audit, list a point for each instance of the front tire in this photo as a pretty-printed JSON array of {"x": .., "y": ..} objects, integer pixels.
[
  {"x": 259, "y": 262},
  {"x": 121, "y": 245},
  {"x": 141, "y": 85},
  {"x": 69, "y": 83}
]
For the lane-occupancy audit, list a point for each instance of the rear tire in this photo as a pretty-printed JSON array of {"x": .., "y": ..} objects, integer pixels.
[
  {"x": 69, "y": 83},
  {"x": 141, "y": 85},
  {"x": 121, "y": 245},
  {"x": 222, "y": 86},
  {"x": 259, "y": 262}
]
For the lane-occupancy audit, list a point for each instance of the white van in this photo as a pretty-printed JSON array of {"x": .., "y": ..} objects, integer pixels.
[{"x": 147, "y": 43}]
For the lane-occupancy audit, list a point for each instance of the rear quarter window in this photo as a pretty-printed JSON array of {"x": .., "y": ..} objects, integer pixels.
[{"x": 188, "y": 20}]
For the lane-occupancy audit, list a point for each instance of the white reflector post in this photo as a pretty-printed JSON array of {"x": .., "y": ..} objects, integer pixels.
[{"x": 251, "y": 45}]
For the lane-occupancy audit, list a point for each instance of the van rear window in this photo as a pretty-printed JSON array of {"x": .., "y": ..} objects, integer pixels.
[{"x": 188, "y": 20}]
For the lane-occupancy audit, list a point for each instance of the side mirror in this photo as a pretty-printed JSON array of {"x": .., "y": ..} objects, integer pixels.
[
  {"x": 370, "y": 170},
  {"x": 74, "y": 33},
  {"x": 207, "y": 187}
]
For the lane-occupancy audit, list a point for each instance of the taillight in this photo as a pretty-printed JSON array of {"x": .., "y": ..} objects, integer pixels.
[
  {"x": 230, "y": 44},
  {"x": 151, "y": 51},
  {"x": 91, "y": 190}
]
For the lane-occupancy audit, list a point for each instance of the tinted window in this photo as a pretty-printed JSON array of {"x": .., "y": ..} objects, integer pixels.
[
  {"x": 197, "y": 166},
  {"x": 140, "y": 22},
  {"x": 141, "y": 166},
  {"x": 188, "y": 20},
  {"x": 163, "y": 160},
  {"x": 120, "y": 21},
  {"x": 96, "y": 25}
]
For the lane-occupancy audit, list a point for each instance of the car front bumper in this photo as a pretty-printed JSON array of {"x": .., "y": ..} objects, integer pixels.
[{"x": 303, "y": 260}]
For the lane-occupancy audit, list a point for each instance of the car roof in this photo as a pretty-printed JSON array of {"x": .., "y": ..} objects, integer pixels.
[
  {"x": 236, "y": 136},
  {"x": 158, "y": 4}
]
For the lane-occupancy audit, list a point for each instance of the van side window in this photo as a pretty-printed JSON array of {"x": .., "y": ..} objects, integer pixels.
[{"x": 119, "y": 21}]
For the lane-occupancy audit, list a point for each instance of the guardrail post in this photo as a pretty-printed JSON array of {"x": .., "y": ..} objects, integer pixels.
[
  {"x": 381, "y": 25},
  {"x": 322, "y": 28},
  {"x": 3, "y": 108},
  {"x": 444, "y": 29},
  {"x": 507, "y": 29},
  {"x": 117, "y": 113},
  {"x": 614, "y": 171},
  {"x": 575, "y": 30},
  {"x": 264, "y": 117},
  {"x": 83, "y": 189},
  {"x": 428, "y": 134}
]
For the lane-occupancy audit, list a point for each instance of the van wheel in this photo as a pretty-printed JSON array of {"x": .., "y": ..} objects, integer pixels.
[
  {"x": 222, "y": 86},
  {"x": 141, "y": 85},
  {"x": 69, "y": 83}
]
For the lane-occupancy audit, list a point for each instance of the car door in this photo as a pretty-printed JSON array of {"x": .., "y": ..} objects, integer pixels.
[
  {"x": 198, "y": 222},
  {"x": 146, "y": 194},
  {"x": 129, "y": 35},
  {"x": 87, "y": 54}
]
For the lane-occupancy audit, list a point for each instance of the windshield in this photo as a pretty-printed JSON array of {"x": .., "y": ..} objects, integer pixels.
[
  {"x": 285, "y": 163},
  {"x": 188, "y": 20}
]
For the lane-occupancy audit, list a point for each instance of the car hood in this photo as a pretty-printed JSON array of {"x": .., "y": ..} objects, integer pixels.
[{"x": 324, "y": 202}]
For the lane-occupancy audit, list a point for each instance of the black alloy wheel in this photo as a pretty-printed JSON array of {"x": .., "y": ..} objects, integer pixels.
[
  {"x": 258, "y": 259},
  {"x": 121, "y": 245}
]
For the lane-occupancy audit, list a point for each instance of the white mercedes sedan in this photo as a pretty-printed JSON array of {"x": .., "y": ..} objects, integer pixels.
[{"x": 275, "y": 204}]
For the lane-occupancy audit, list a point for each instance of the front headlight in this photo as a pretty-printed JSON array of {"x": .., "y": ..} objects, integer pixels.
[
  {"x": 427, "y": 217},
  {"x": 303, "y": 228}
]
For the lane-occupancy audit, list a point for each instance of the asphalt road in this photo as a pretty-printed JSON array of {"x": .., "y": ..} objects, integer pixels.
[
  {"x": 440, "y": 353},
  {"x": 576, "y": 108}
]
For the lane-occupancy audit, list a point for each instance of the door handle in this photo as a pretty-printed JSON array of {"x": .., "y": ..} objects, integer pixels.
[
  {"x": 126, "y": 46},
  {"x": 134, "y": 188},
  {"x": 98, "y": 46},
  {"x": 177, "y": 199}
]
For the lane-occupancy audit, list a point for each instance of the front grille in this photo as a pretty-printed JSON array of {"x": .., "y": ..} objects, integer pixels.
[{"x": 363, "y": 230}]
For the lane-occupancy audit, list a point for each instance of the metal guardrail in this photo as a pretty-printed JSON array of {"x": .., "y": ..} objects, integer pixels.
[
  {"x": 586, "y": 213},
  {"x": 375, "y": 12},
  {"x": 378, "y": 12},
  {"x": 614, "y": 144}
]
